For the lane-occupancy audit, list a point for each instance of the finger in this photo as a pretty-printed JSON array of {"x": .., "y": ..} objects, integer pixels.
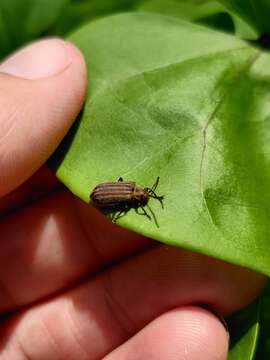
[
  {"x": 54, "y": 243},
  {"x": 40, "y": 184},
  {"x": 183, "y": 333},
  {"x": 168, "y": 276},
  {"x": 42, "y": 89},
  {"x": 96, "y": 317}
]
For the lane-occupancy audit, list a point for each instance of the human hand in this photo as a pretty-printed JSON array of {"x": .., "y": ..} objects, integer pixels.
[{"x": 77, "y": 286}]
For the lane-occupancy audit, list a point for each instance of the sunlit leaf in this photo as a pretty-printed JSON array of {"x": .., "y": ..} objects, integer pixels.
[{"x": 191, "y": 105}]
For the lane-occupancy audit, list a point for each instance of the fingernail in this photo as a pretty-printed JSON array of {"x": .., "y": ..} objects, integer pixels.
[{"x": 38, "y": 60}]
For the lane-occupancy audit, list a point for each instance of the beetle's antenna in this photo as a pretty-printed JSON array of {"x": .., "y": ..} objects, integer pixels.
[
  {"x": 151, "y": 192},
  {"x": 155, "y": 184},
  {"x": 153, "y": 195}
]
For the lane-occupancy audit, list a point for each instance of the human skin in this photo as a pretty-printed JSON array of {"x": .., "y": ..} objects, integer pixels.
[{"x": 72, "y": 284}]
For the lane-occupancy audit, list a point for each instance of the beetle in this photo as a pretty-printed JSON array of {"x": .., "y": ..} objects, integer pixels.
[{"x": 121, "y": 196}]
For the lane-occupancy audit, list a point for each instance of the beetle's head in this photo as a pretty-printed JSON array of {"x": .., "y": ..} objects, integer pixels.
[{"x": 142, "y": 196}]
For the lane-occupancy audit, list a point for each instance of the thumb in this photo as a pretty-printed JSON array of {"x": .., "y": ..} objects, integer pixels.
[{"x": 42, "y": 88}]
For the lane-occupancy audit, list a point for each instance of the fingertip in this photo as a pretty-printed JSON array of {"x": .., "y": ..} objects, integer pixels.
[
  {"x": 206, "y": 333},
  {"x": 43, "y": 88},
  {"x": 184, "y": 333},
  {"x": 42, "y": 59},
  {"x": 78, "y": 68}
]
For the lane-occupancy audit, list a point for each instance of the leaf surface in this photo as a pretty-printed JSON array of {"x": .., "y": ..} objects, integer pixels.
[
  {"x": 244, "y": 329},
  {"x": 171, "y": 99}
]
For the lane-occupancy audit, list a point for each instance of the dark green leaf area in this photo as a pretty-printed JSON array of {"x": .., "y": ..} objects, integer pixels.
[
  {"x": 263, "y": 351},
  {"x": 255, "y": 12},
  {"x": 249, "y": 330},
  {"x": 21, "y": 21},
  {"x": 78, "y": 12},
  {"x": 171, "y": 99},
  {"x": 211, "y": 13},
  {"x": 208, "y": 12},
  {"x": 244, "y": 329}
]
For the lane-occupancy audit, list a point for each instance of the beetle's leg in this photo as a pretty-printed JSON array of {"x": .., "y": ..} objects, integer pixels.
[
  {"x": 113, "y": 217},
  {"x": 153, "y": 215},
  {"x": 118, "y": 214},
  {"x": 120, "y": 179},
  {"x": 144, "y": 213},
  {"x": 147, "y": 215}
]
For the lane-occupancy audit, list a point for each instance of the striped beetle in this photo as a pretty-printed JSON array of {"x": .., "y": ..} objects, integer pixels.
[{"x": 121, "y": 196}]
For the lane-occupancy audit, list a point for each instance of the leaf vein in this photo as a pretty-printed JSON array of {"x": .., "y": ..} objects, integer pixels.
[{"x": 247, "y": 66}]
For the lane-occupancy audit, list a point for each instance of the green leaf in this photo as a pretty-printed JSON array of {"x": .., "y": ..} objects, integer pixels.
[
  {"x": 255, "y": 12},
  {"x": 171, "y": 99},
  {"x": 263, "y": 352},
  {"x": 21, "y": 21},
  {"x": 249, "y": 330},
  {"x": 208, "y": 12},
  {"x": 244, "y": 329},
  {"x": 79, "y": 12}
]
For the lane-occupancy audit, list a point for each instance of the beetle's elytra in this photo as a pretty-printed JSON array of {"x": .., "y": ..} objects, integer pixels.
[{"x": 121, "y": 196}]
